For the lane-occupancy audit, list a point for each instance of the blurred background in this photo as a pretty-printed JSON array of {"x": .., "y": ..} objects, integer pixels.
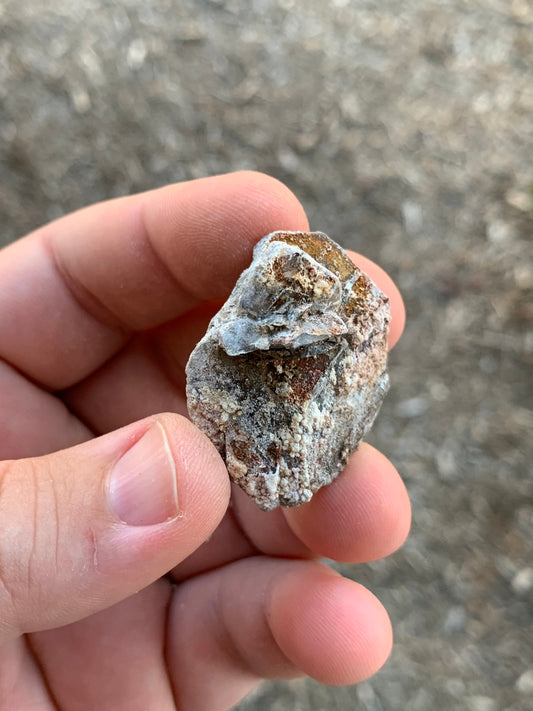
[{"x": 406, "y": 129}]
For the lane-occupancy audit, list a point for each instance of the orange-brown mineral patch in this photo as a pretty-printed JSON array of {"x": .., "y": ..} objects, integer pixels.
[{"x": 321, "y": 248}]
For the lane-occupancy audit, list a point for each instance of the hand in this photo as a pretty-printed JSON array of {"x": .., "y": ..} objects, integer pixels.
[{"x": 100, "y": 497}]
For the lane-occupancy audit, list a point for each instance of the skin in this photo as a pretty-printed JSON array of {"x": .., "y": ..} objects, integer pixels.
[{"x": 98, "y": 313}]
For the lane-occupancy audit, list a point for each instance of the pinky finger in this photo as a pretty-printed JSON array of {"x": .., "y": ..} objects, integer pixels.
[
  {"x": 331, "y": 628},
  {"x": 271, "y": 618}
]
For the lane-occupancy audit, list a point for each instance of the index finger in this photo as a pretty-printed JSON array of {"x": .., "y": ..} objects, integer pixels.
[{"x": 72, "y": 292}]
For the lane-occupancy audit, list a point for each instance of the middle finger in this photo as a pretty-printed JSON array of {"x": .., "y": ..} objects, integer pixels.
[{"x": 363, "y": 515}]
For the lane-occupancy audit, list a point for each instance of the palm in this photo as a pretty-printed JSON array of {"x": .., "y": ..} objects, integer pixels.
[{"x": 236, "y": 609}]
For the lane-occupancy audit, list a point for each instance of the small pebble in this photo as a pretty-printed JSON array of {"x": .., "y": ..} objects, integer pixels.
[
  {"x": 481, "y": 703},
  {"x": 524, "y": 683},
  {"x": 522, "y": 582}
]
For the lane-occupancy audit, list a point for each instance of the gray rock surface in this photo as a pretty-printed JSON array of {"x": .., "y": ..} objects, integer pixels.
[
  {"x": 293, "y": 368},
  {"x": 406, "y": 128}
]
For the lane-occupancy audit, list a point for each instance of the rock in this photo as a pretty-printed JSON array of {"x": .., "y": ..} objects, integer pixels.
[
  {"x": 481, "y": 703},
  {"x": 524, "y": 683},
  {"x": 456, "y": 619},
  {"x": 292, "y": 370},
  {"x": 522, "y": 583}
]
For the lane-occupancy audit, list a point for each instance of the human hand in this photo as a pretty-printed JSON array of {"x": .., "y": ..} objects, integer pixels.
[{"x": 126, "y": 582}]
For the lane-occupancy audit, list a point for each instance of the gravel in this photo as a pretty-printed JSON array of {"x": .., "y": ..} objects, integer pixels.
[{"x": 406, "y": 129}]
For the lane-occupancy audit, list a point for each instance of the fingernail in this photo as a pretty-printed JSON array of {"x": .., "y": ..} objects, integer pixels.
[{"x": 142, "y": 486}]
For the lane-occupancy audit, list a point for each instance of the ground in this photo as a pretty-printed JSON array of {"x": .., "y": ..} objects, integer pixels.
[{"x": 406, "y": 128}]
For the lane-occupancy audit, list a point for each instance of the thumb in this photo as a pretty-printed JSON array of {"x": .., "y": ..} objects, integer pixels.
[{"x": 85, "y": 527}]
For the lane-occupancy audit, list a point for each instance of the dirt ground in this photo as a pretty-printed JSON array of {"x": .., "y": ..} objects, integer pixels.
[{"x": 406, "y": 128}]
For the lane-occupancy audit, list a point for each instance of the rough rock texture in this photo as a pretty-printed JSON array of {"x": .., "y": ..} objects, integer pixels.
[{"x": 292, "y": 370}]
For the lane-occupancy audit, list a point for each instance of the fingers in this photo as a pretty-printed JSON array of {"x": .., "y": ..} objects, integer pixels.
[
  {"x": 88, "y": 526},
  {"x": 227, "y": 545},
  {"x": 32, "y": 421},
  {"x": 364, "y": 515},
  {"x": 72, "y": 292},
  {"x": 112, "y": 660},
  {"x": 132, "y": 385},
  {"x": 330, "y": 627},
  {"x": 216, "y": 637},
  {"x": 361, "y": 516},
  {"x": 265, "y": 618},
  {"x": 21, "y": 683},
  {"x": 131, "y": 264},
  {"x": 268, "y": 531},
  {"x": 244, "y": 532},
  {"x": 156, "y": 366}
]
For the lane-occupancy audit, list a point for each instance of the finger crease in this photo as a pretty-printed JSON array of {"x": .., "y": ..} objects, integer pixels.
[
  {"x": 235, "y": 518},
  {"x": 227, "y": 641},
  {"x": 166, "y": 634},
  {"x": 46, "y": 683},
  {"x": 160, "y": 360},
  {"x": 159, "y": 261},
  {"x": 82, "y": 296}
]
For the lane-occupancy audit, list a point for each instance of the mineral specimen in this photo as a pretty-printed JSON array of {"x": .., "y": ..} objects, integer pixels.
[{"x": 292, "y": 370}]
